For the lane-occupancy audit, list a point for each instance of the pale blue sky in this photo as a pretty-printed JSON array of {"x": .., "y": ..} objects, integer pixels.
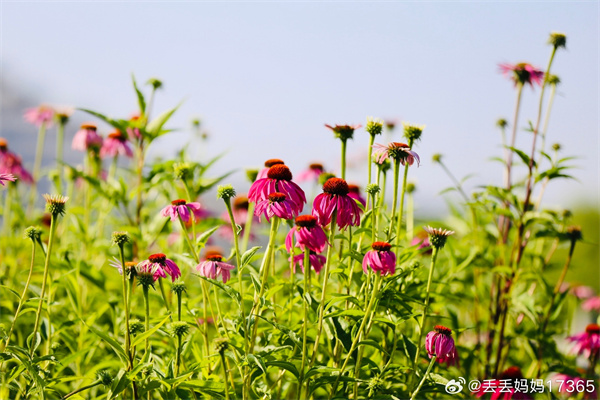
[{"x": 265, "y": 77}]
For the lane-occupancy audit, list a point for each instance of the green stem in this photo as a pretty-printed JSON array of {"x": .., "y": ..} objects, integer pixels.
[
  {"x": 60, "y": 137},
  {"x": 401, "y": 208},
  {"x": 343, "y": 174},
  {"x": 53, "y": 221},
  {"x": 324, "y": 289},
  {"x": 8, "y": 208},
  {"x": 410, "y": 216},
  {"x": 395, "y": 198},
  {"x": 224, "y": 365},
  {"x": 247, "y": 227},
  {"x": 37, "y": 166},
  {"x": 370, "y": 162},
  {"x": 414, "y": 396},
  {"x": 238, "y": 257},
  {"x": 184, "y": 232},
  {"x": 306, "y": 265},
  {"x": 147, "y": 314},
  {"x": 509, "y": 154},
  {"x": 95, "y": 383},
  {"x": 126, "y": 307},
  {"x": 178, "y": 355}
]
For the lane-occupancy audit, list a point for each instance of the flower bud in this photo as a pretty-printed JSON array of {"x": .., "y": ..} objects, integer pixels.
[
  {"x": 558, "y": 40},
  {"x": 372, "y": 189},
  {"x": 120, "y": 238},
  {"x": 225, "y": 192},
  {"x": 179, "y": 329}
]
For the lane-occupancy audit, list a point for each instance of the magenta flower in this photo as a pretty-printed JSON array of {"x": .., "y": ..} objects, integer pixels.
[
  {"x": 307, "y": 233},
  {"x": 396, "y": 150},
  {"x": 591, "y": 304},
  {"x": 311, "y": 174},
  {"x": 262, "y": 174},
  {"x": 582, "y": 292},
  {"x": 380, "y": 259},
  {"x": 335, "y": 199},
  {"x": 183, "y": 209},
  {"x": 588, "y": 341},
  {"x": 439, "y": 343},
  {"x": 354, "y": 192},
  {"x": 422, "y": 239},
  {"x": 6, "y": 178},
  {"x": 129, "y": 266},
  {"x": 317, "y": 261},
  {"x": 10, "y": 163},
  {"x": 39, "y": 116},
  {"x": 523, "y": 73},
  {"x": 279, "y": 179},
  {"x": 160, "y": 266},
  {"x": 116, "y": 144},
  {"x": 505, "y": 387},
  {"x": 278, "y": 205},
  {"x": 87, "y": 138},
  {"x": 214, "y": 266}
]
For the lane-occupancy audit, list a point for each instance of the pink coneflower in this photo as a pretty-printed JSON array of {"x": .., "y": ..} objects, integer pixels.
[
  {"x": 588, "y": 341},
  {"x": 129, "y": 266},
  {"x": 87, "y": 138},
  {"x": 116, "y": 144},
  {"x": 306, "y": 233},
  {"x": 183, "y": 209},
  {"x": 354, "y": 192},
  {"x": 422, "y": 239},
  {"x": 133, "y": 131},
  {"x": 262, "y": 174},
  {"x": 10, "y": 163},
  {"x": 335, "y": 199},
  {"x": 343, "y": 132},
  {"x": 6, "y": 178},
  {"x": 582, "y": 292},
  {"x": 381, "y": 259},
  {"x": 279, "y": 179},
  {"x": 523, "y": 73},
  {"x": 439, "y": 343},
  {"x": 506, "y": 387},
  {"x": 276, "y": 205},
  {"x": 160, "y": 266},
  {"x": 317, "y": 261},
  {"x": 397, "y": 151},
  {"x": 312, "y": 173},
  {"x": 39, "y": 115},
  {"x": 214, "y": 266},
  {"x": 591, "y": 304}
]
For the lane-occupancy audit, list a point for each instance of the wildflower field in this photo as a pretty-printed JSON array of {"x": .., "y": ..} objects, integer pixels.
[{"x": 118, "y": 282}]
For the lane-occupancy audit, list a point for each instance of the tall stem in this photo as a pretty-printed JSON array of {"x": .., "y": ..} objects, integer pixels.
[
  {"x": 53, "y": 221},
  {"x": 247, "y": 227},
  {"x": 343, "y": 174},
  {"x": 513, "y": 138},
  {"x": 307, "y": 267},
  {"x": 147, "y": 315},
  {"x": 39, "y": 154},
  {"x": 414, "y": 395},
  {"x": 395, "y": 198},
  {"x": 370, "y": 163},
  {"x": 60, "y": 137},
  {"x": 401, "y": 208},
  {"x": 126, "y": 308}
]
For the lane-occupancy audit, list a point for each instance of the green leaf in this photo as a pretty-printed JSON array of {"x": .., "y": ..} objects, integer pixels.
[
  {"x": 116, "y": 346},
  {"x": 288, "y": 366},
  {"x": 202, "y": 239},
  {"x": 119, "y": 384},
  {"x": 247, "y": 256},
  {"x": 524, "y": 157},
  {"x": 234, "y": 294},
  {"x": 347, "y": 313},
  {"x": 140, "y": 96},
  {"x": 155, "y": 126},
  {"x": 120, "y": 125},
  {"x": 143, "y": 336},
  {"x": 374, "y": 344}
]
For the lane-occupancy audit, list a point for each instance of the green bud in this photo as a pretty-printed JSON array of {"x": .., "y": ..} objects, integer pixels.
[
  {"x": 120, "y": 238},
  {"x": 34, "y": 233},
  {"x": 502, "y": 123},
  {"x": 182, "y": 171},
  {"x": 558, "y": 40},
  {"x": 155, "y": 83},
  {"x": 574, "y": 233},
  {"x": 55, "y": 204},
  {"x": 105, "y": 377},
  {"x": 556, "y": 146},
  {"x": 438, "y": 236},
  {"x": 324, "y": 177},
  {"x": 221, "y": 345},
  {"x": 374, "y": 126},
  {"x": 437, "y": 157},
  {"x": 372, "y": 189},
  {"x": 251, "y": 174},
  {"x": 553, "y": 79},
  {"x": 413, "y": 132},
  {"x": 136, "y": 327},
  {"x": 410, "y": 187},
  {"x": 178, "y": 287},
  {"x": 179, "y": 328},
  {"x": 225, "y": 192}
]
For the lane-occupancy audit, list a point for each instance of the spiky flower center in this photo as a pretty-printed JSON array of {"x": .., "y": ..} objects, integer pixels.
[
  {"x": 130, "y": 264},
  {"x": 215, "y": 257},
  {"x": 398, "y": 150},
  {"x": 273, "y": 161},
  {"x": 443, "y": 330},
  {"x": 117, "y": 135},
  {"x": 157, "y": 258},
  {"x": 280, "y": 172},
  {"x": 316, "y": 166},
  {"x": 381, "y": 246},
  {"x": 306, "y": 221},
  {"x": 179, "y": 202},
  {"x": 512, "y": 373},
  {"x": 336, "y": 186},
  {"x": 55, "y": 204},
  {"x": 3, "y": 144},
  {"x": 593, "y": 329},
  {"x": 277, "y": 197},
  {"x": 241, "y": 203},
  {"x": 90, "y": 127}
]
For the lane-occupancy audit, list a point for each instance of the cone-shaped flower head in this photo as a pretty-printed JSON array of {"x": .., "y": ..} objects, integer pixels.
[
  {"x": 179, "y": 328},
  {"x": 306, "y": 233},
  {"x": 523, "y": 73},
  {"x": 278, "y": 180},
  {"x": 225, "y": 192},
  {"x": 116, "y": 144},
  {"x": 214, "y": 266},
  {"x": 276, "y": 205},
  {"x": 335, "y": 199},
  {"x": 221, "y": 345},
  {"x": 317, "y": 261},
  {"x": 7, "y": 178},
  {"x": 55, "y": 204},
  {"x": 120, "y": 238},
  {"x": 381, "y": 259},
  {"x": 412, "y": 132},
  {"x": 183, "y": 209},
  {"x": 33, "y": 232},
  {"x": 588, "y": 341},
  {"x": 437, "y": 236},
  {"x": 558, "y": 40},
  {"x": 87, "y": 138},
  {"x": 159, "y": 266},
  {"x": 374, "y": 126},
  {"x": 39, "y": 115},
  {"x": 439, "y": 343},
  {"x": 268, "y": 164},
  {"x": 397, "y": 151},
  {"x": 312, "y": 173},
  {"x": 343, "y": 132}
]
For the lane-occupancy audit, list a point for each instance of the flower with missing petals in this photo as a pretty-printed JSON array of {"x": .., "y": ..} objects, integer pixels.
[
  {"x": 437, "y": 236},
  {"x": 381, "y": 259},
  {"x": 116, "y": 144},
  {"x": 278, "y": 180},
  {"x": 55, "y": 204},
  {"x": 439, "y": 343},
  {"x": 214, "y": 266},
  {"x": 335, "y": 199},
  {"x": 306, "y": 234},
  {"x": 343, "y": 132},
  {"x": 39, "y": 116},
  {"x": 588, "y": 341},
  {"x": 523, "y": 73},
  {"x": 183, "y": 209},
  {"x": 396, "y": 150},
  {"x": 276, "y": 205}
]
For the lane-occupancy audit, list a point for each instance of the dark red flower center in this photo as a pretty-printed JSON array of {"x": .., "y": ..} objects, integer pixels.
[
  {"x": 117, "y": 135},
  {"x": 381, "y": 246},
  {"x": 273, "y": 161},
  {"x": 316, "y": 166},
  {"x": 3, "y": 144},
  {"x": 179, "y": 202},
  {"x": 241, "y": 203},
  {"x": 306, "y": 221},
  {"x": 88, "y": 126},
  {"x": 157, "y": 258},
  {"x": 443, "y": 330},
  {"x": 354, "y": 189},
  {"x": 398, "y": 145},
  {"x": 215, "y": 257},
  {"x": 336, "y": 186},
  {"x": 280, "y": 172},
  {"x": 277, "y": 197},
  {"x": 593, "y": 328},
  {"x": 512, "y": 373}
]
